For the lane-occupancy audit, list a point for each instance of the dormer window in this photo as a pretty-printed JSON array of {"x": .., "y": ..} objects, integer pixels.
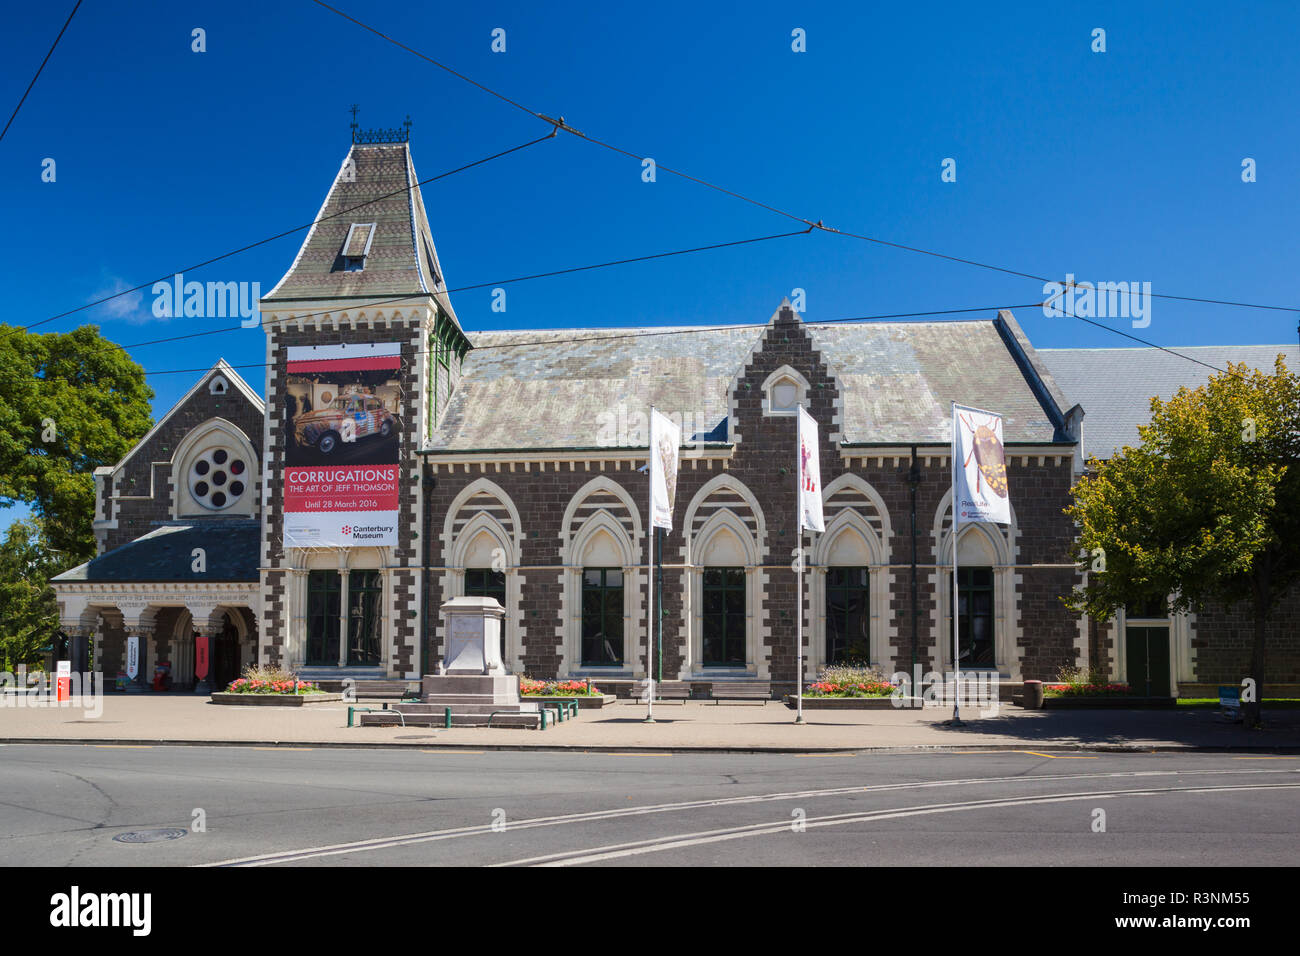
[
  {"x": 357, "y": 246},
  {"x": 784, "y": 391}
]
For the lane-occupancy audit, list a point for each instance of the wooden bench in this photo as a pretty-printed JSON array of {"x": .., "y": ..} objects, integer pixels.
[
  {"x": 746, "y": 690},
  {"x": 678, "y": 690}
]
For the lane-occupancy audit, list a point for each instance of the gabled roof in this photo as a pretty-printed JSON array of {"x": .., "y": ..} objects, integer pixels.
[
  {"x": 1115, "y": 386},
  {"x": 222, "y": 368},
  {"x": 552, "y": 389},
  {"x": 165, "y": 555},
  {"x": 376, "y": 185}
]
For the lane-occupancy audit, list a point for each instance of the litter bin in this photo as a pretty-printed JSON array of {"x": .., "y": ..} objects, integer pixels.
[{"x": 1033, "y": 695}]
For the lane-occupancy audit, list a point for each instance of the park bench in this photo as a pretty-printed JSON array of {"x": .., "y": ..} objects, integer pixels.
[
  {"x": 745, "y": 690},
  {"x": 677, "y": 690}
]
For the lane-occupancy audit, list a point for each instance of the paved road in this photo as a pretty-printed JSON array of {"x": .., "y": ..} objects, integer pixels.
[{"x": 62, "y": 805}]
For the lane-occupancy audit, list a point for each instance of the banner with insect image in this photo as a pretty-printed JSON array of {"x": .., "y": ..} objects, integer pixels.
[
  {"x": 342, "y": 445},
  {"x": 665, "y": 445},
  {"x": 980, "y": 467}
]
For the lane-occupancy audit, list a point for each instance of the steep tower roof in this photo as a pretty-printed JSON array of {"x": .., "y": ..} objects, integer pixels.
[{"x": 371, "y": 238}]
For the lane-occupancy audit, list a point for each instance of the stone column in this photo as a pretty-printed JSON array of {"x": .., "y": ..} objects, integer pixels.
[
  {"x": 343, "y": 617},
  {"x": 296, "y": 638}
]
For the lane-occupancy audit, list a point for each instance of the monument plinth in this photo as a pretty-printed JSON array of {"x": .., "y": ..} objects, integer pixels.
[{"x": 471, "y": 682}]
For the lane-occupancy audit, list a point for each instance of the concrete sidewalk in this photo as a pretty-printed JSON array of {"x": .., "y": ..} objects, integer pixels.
[{"x": 154, "y": 720}]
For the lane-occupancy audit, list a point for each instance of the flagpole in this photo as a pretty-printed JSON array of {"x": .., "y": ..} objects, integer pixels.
[
  {"x": 650, "y": 575},
  {"x": 798, "y": 613},
  {"x": 956, "y": 640},
  {"x": 798, "y": 570}
]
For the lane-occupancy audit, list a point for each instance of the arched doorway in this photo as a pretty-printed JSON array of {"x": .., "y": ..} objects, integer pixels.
[{"x": 225, "y": 654}]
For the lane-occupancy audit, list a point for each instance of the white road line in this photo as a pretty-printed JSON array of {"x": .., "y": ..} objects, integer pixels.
[
  {"x": 432, "y": 836},
  {"x": 681, "y": 841}
]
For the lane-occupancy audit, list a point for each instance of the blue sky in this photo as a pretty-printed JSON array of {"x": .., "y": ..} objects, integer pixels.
[{"x": 1123, "y": 165}]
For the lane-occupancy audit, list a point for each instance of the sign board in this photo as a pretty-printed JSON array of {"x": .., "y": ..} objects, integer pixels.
[
  {"x": 1230, "y": 698},
  {"x": 63, "y": 679},
  {"x": 132, "y": 656},
  {"x": 201, "y": 643},
  {"x": 342, "y": 445}
]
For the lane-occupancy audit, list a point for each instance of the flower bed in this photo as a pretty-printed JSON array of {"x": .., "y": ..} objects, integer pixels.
[
  {"x": 847, "y": 689},
  {"x": 849, "y": 680},
  {"x": 563, "y": 688},
  {"x": 1087, "y": 690},
  {"x": 252, "y": 685}
]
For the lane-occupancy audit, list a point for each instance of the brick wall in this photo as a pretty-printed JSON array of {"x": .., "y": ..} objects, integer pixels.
[
  {"x": 144, "y": 486},
  {"x": 764, "y": 462}
]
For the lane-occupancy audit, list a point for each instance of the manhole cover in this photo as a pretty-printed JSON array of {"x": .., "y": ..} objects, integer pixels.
[{"x": 156, "y": 835}]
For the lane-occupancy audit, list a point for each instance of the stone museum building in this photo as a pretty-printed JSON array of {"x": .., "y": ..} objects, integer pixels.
[{"x": 394, "y": 459}]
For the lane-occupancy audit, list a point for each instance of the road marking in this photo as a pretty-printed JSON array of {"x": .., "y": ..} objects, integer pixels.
[
  {"x": 849, "y": 753},
  {"x": 1057, "y": 756},
  {"x": 636, "y": 753},
  {"x": 681, "y": 841},
  {"x": 123, "y": 746},
  {"x": 1266, "y": 758},
  {"x": 431, "y": 836},
  {"x": 281, "y": 748},
  {"x": 451, "y": 753}
]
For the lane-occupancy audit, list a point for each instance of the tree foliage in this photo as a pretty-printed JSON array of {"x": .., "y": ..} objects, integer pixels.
[
  {"x": 70, "y": 402},
  {"x": 29, "y": 619},
  {"x": 1206, "y": 509}
]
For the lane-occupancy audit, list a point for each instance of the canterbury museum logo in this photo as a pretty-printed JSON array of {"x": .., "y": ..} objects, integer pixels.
[{"x": 208, "y": 300}]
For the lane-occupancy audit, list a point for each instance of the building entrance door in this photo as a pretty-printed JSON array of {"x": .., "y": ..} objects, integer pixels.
[
  {"x": 1147, "y": 659},
  {"x": 225, "y": 656}
]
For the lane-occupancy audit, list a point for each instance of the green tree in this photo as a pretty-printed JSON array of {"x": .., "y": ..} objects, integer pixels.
[
  {"x": 29, "y": 619},
  {"x": 69, "y": 403},
  {"x": 1207, "y": 509}
]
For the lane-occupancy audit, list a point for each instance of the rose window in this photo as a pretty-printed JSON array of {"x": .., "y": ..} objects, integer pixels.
[{"x": 217, "y": 478}]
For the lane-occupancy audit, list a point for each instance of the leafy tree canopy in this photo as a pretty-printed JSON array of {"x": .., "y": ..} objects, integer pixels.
[
  {"x": 29, "y": 619},
  {"x": 70, "y": 402},
  {"x": 1207, "y": 509}
]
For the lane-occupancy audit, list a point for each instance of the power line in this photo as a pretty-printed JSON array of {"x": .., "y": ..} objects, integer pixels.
[
  {"x": 819, "y": 224},
  {"x": 425, "y": 295},
  {"x": 288, "y": 232},
  {"x": 39, "y": 70}
]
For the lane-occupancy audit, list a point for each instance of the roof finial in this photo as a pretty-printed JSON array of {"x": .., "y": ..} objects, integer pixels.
[{"x": 354, "y": 110}]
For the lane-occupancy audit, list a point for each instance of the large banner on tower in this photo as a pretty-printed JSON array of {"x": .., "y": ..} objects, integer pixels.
[{"x": 342, "y": 445}]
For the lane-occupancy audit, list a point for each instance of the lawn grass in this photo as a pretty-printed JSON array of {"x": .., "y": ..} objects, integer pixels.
[{"x": 1212, "y": 703}]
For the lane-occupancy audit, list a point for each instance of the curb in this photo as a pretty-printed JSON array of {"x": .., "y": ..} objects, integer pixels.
[{"x": 1280, "y": 750}]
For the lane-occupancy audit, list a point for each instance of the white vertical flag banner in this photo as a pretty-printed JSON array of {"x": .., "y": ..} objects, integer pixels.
[
  {"x": 810, "y": 475},
  {"x": 132, "y": 656},
  {"x": 980, "y": 468},
  {"x": 665, "y": 443}
]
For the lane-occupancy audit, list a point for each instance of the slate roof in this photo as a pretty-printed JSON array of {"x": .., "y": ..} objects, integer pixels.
[
  {"x": 164, "y": 555},
  {"x": 1115, "y": 386},
  {"x": 402, "y": 259},
  {"x": 547, "y": 389}
]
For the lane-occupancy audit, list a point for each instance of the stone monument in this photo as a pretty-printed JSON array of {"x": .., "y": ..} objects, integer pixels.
[{"x": 471, "y": 686}]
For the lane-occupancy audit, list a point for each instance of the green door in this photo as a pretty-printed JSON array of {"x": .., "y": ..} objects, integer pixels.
[{"x": 1148, "y": 661}]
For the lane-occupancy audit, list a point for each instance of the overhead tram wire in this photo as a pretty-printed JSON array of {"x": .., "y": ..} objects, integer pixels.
[
  {"x": 289, "y": 232},
  {"x": 417, "y": 296},
  {"x": 40, "y": 69},
  {"x": 819, "y": 224}
]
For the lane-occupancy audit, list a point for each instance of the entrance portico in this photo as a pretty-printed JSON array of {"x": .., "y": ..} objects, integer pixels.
[{"x": 160, "y": 589}]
